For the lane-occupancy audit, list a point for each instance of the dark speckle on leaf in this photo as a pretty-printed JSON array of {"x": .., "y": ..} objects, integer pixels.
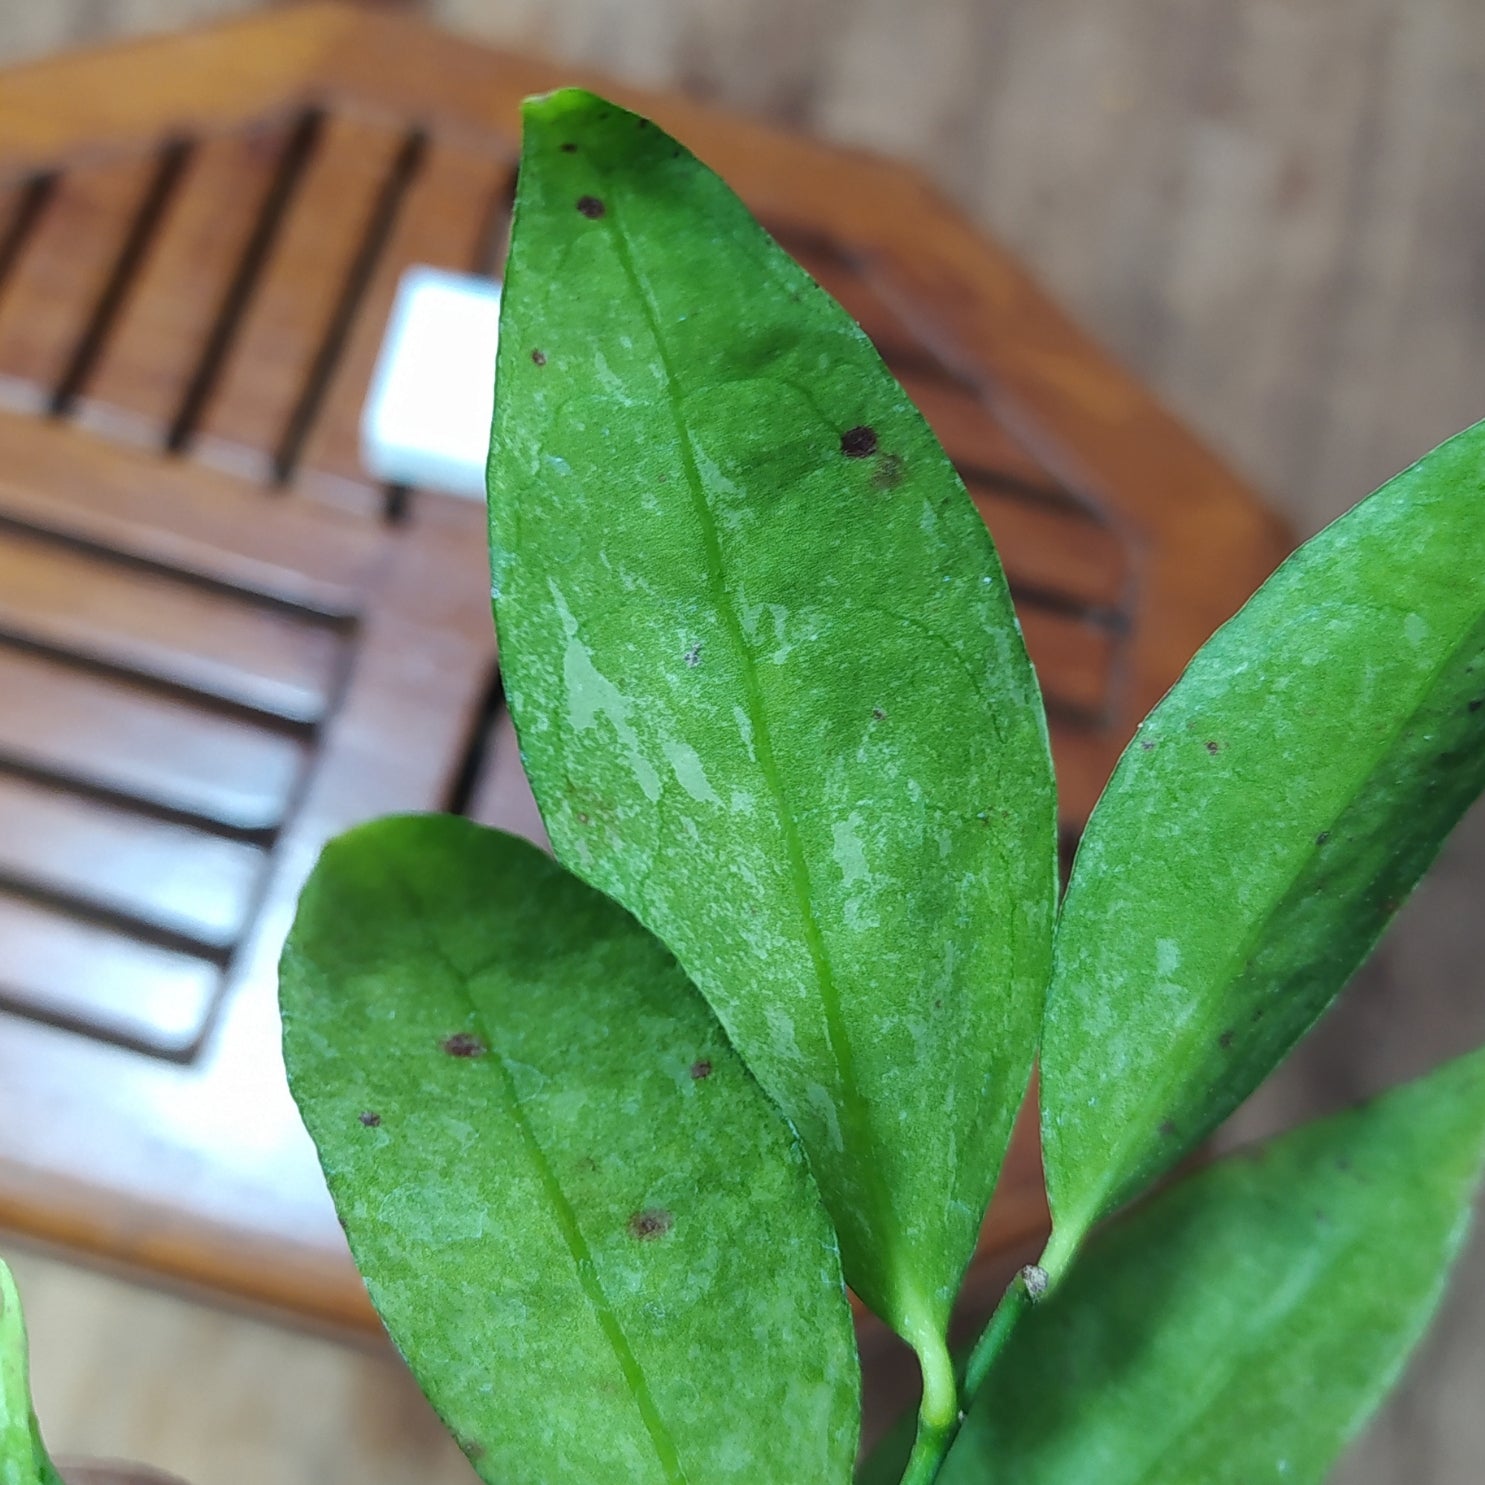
[
  {"x": 858, "y": 443},
  {"x": 539, "y": 358},
  {"x": 569, "y": 148},
  {"x": 693, "y": 656},
  {"x": 1214, "y": 748},
  {"x": 652, "y": 1223},
  {"x": 591, "y": 207},
  {"x": 878, "y": 715},
  {"x": 1168, "y": 1130},
  {"x": 463, "y": 1044},
  {"x": 701, "y": 1069},
  {"x": 1225, "y": 1040},
  {"x": 370, "y": 1118},
  {"x": 1321, "y": 839},
  {"x": 1146, "y": 745},
  {"x": 1477, "y": 703}
]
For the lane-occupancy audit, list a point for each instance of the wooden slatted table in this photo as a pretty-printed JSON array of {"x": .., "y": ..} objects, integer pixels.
[{"x": 222, "y": 641}]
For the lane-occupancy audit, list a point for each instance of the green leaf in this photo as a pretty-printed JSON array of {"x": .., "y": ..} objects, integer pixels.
[
  {"x": 1261, "y": 830},
  {"x": 23, "y": 1457},
  {"x": 770, "y": 690},
  {"x": 1242, "y": 1326},
  {"x": 592, "y": 1237}
]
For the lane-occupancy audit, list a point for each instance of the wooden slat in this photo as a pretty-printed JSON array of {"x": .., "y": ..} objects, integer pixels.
[
  {"x": 82, "y": 975},
  {"x": 179, "y": 631},
  {"x": 140, "y": 384},
  {"x": 118, "y": 737},
  {"x": 501, "y": 795},
  {"x": 268, "y": 369},
  {"x": 1055, "y": 550},
  {"x": 1075, "y": 662},
  {"x": 64, "y": 266},
  {"x": 971, "y": 435},
  {"x": 893, "y": 338},
  {"x": 182, "y": 880},
  {"x": 179, "y": 514},
  {"x": 442, "y": 222}
]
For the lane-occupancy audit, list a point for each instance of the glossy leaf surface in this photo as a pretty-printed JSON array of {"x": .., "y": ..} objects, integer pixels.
[
  {"x": 1263, "y": 827},
  {"x": 23, "y": 1458},
  {"x": 594, "y": 1240},
  {"x": 1242, "y": 1326},
  {"x": 770, "y": 690}
]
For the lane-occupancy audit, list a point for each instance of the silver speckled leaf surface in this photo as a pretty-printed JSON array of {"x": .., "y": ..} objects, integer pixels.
[
  {"x": 594, "y": 1240},
  {"x": 770, "y": 690},
  {"x": 23, "y": 1457},
  {"x": 1241, "y": 1327},
  {"x": 1263, "y": 827}
]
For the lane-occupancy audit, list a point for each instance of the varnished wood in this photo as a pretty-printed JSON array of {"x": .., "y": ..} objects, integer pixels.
[
  {"x": 180, "y": 879},
  {"x": 140, "y": 385},
  {"x": 292, "y": 662},
  {"x": 61, "y": 272},
  {"x": 178, "y": 631},
  {"x": 450, "y": 213},
  {"x": 248, "y": 415}
]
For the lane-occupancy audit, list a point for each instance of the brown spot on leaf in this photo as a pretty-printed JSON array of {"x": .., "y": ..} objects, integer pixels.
[
  {"x": 858, "y": 443},
  {"x": 652, "y": 1223},
  {"x": 370, "y": 1118},
  {"x": 591, "y": 207},
  {"x": 539, "y": 358},
  {"x": 701, "y": 1069},
  {"x": 463, "y": 1044}
]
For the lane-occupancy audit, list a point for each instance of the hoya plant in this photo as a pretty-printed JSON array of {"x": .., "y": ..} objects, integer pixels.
[{"x": 611, "y": 1135}]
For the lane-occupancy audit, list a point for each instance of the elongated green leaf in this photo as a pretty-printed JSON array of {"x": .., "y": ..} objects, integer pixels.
[
  {"x": 1263, "y": 827},
  {"x": 23, "y": 1457},
  {"x": 770, "y": 690},
  {"x": 1242, "y": 1326},
  {"x": 592, "y": 1237}
]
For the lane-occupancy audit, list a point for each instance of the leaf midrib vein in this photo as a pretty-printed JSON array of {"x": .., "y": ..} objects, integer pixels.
[
  {"x": 852, "y": 1113},
  {"x": 565, "y": 1217}
]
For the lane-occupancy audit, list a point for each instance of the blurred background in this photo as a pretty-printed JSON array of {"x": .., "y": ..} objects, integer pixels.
[{"x": 1270, "y": 211}]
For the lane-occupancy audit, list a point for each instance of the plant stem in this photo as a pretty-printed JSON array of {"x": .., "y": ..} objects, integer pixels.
[
  {"x": 1030, "y": 1286},
  {"x": 929, "y": 1449}
]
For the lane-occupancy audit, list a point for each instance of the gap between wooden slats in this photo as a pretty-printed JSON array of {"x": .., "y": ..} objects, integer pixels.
[
  {"x": 76, "y": 974},
  {"x": 97, "y": 854},
  {"x": 178, "y": 515},
  {"x": 444, "y": 220},
  {"x": 257, "y": 656},
  {"x": 1077, "y": 664},
  {"x": 293, "y": 310},
  {"x": 500, "y": 795},
  {"x": 70, "y": 723},
  {"x": 144, "y": 373},
  {"x": 1055, "y": 555},
  {"x": 974, "y": 440},
  {"x": 895, "y": 341},
  {"x": 63, "y": 272}
]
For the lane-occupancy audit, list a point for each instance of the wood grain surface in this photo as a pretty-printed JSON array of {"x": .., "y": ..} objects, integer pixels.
[{"x": 1269, "y": 210}]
